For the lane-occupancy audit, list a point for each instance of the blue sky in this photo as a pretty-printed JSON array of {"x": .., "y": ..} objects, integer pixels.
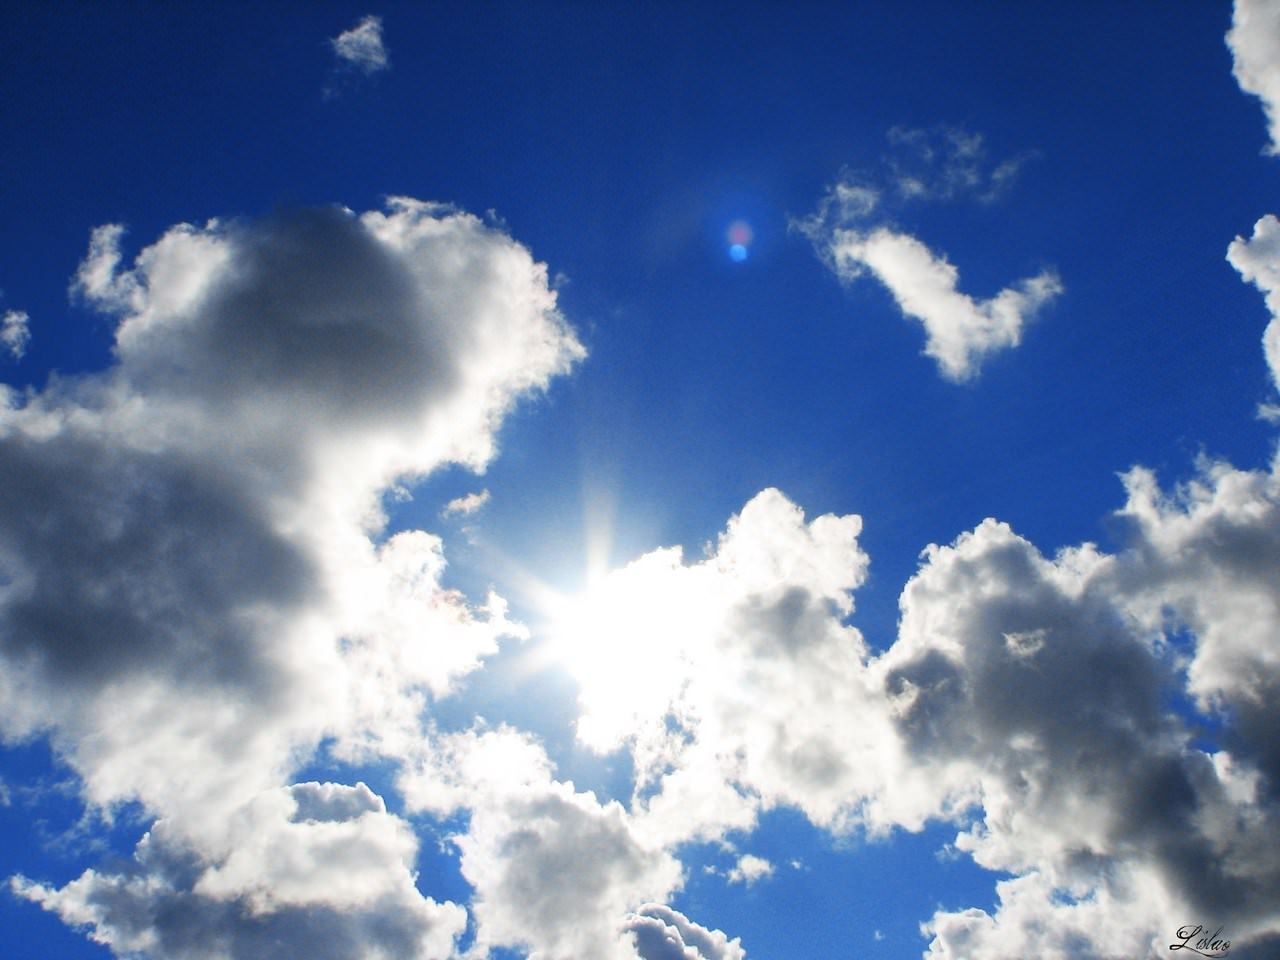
[{"x": 682, "y": 481}]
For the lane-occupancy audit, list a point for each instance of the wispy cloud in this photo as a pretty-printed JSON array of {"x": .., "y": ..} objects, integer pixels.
[
  {"x": 467, "y": 505},
  {"x": 15, "y": 333},
  {"x": 945, "y": 163}
]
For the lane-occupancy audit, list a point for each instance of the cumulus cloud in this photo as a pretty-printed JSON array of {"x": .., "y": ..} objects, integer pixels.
[
  {"x": 1038, "y": 688},
  {"x": 1045, "y": 690},
  {"x": 735, "y": 683},
  {"x": 15, "y": 333},
  {"x": 1027, "y": 699},
  {"x": 662, "y": 933},
  {"x": 361, "y": 47},
  {"x": 313, "y": 870},
  {"x": 1258, "y": 261},
  {"x": 1254, "y": 40},
  {"x": 749, "y": 869},
  {"x": 555, "y": 871},
  {"x": 194, "y": 590}
]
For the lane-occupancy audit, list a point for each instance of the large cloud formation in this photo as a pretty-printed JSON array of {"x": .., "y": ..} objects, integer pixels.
[{"x": 194, "y": 593}]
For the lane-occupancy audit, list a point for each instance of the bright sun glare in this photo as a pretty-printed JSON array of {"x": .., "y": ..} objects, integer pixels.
[{"x": 626, "y": 639}]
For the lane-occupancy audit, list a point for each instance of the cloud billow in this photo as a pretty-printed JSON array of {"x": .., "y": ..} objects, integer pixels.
[
  {"x": 192, "y": 593},
  {"x": 1254, "y": 40}
]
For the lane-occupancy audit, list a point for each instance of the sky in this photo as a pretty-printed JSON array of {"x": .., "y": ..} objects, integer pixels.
[{"x": 639, "y": 482}]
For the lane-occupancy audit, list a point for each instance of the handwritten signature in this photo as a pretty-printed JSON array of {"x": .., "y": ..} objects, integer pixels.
[{"x": 1207, "y": 944}]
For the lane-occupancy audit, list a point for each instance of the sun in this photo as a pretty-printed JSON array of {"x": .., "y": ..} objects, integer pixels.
[{"x": 629, "y": 639}]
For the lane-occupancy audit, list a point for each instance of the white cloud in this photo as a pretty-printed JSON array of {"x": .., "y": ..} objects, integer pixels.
[
  {"x": 555, "y": 871},
  {"x": 15, "y": 333},
  {"x": 961, "y": 332},
  {"x": 1254, "y": 40},
  {"x": 193, "y": 594},
  {"x": 1205, "y": 557},
  {"x": 361, "y": 46},
  {"x": 316, "y": 870},
  {"x": 1041, "y": 688},
  {"x": 1084, "y": 783},
  {"x": 1026, "y": 699},
  {"x": 99, "y": 278},
  {"x": 1258, "y": 261},
  {"x": 749, "y": 869},
  {"x": 735, "y": 684},
  {"x": 467, "y": 505}
]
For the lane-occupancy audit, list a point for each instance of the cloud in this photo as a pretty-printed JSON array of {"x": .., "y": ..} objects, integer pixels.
[
  {"x": 946, "y": 162},
  {"x": 749, "y": 869},
  {"x": 735, "y": 683},
  {"x": 313, "y": 870},
  {"x": 662, "y": 933},
  {"x": 1026, "y": 699},
  {"x": 465, "y": 506},
  {"x": 1043, "y": 688},
  {"x": 1258, "y": 261},
  {"x": 1254, "y": 40},
  {"x": 961, "y": 332},
  {"x": 194, "y": 588},
  {"x": 1204, "y": 554},
  {"x": 554, "y": 870},
  {"x": 196, "y": 591},
  {"x": 361, "y": 47},
  {"x": 15, "y": 333}
]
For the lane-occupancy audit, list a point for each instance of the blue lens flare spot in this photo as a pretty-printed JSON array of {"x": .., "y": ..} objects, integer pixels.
[{"x": 739, "y": 236}]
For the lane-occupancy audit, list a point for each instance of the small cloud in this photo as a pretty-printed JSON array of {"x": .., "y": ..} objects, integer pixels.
[
  {"x": 961, "y": 331},
  {"x": 878, "y": 936},
  {"x": 750, "y": 868},
  {"x": 948, "y": 853},
  {"x": 465, "y": 506},
  {"x": 361, "y": 47},
  {"x": 15, "y": 333}
]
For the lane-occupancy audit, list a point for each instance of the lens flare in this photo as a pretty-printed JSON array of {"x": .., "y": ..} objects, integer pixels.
[{"x": 739, "y": 236}]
